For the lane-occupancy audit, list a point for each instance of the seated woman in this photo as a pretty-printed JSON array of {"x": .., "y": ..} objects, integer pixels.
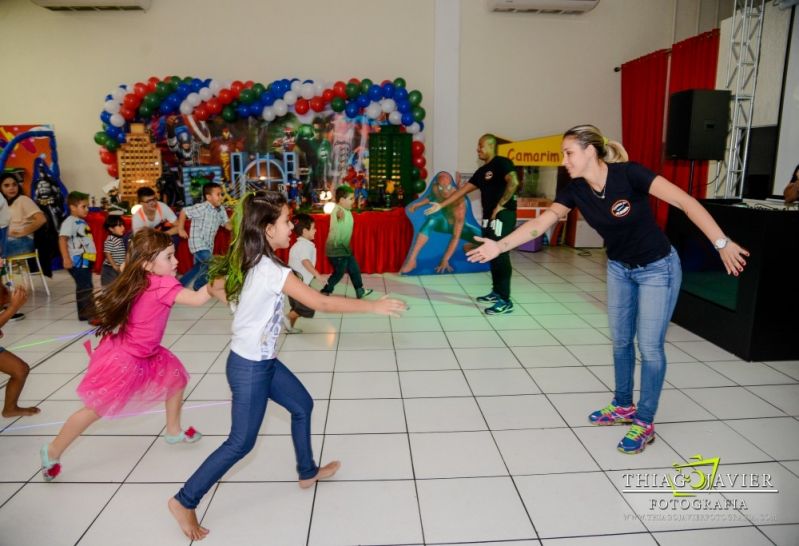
[{"x": 26, "y": 218}]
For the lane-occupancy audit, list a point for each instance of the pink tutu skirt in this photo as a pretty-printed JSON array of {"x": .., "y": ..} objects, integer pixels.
[{"x": 118, "y": 384}]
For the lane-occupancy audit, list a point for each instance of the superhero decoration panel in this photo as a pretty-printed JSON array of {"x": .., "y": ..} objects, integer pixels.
[
  {"x": 441, "y": 240},
  {"x": 303, "y": 138}
]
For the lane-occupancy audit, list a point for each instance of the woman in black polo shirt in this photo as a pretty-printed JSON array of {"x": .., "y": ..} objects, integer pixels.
[{"x": 643, "y": 272}]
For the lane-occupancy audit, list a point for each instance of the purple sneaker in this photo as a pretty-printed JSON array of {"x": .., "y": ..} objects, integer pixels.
[
  {"x": 637, "y": 438},
  {"x": 613, "y": 415}
]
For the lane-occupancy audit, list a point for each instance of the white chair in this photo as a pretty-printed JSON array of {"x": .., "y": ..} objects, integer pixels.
[{"x": 21, "y": 262}]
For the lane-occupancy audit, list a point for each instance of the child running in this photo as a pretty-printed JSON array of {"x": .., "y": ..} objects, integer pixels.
[
  {"x": 130, "y": 371},
  {"x": 256, "y": 281}
]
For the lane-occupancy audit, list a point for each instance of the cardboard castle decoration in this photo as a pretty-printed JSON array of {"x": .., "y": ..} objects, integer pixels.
[{"x": 139, "y": 163}]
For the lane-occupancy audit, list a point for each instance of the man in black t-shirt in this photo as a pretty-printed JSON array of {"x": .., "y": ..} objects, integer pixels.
[{"x": 497, "y": 182}]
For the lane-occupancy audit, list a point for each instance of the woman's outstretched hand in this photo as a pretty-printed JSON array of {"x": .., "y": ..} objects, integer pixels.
[
  {"x": 390, "y": 306},
  {"x": 734, "y": 258},
  {"x": 485, "y": 252}
]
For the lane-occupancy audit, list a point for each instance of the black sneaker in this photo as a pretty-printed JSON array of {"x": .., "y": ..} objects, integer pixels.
[
  {"x": 491, "y": 297},
  {"x": 501, "y": 307},
  {"x": 17, "y": 316},
  {"x": 362, "y": 293}
]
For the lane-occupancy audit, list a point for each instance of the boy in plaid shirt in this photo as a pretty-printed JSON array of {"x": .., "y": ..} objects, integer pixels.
[{"x": 206, "y": 217}]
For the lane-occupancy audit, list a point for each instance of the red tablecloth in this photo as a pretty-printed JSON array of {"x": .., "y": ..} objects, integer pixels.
[{"x": 380, "y": 240}]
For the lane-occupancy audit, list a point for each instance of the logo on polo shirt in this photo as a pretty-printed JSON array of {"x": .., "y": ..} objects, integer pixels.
[
  {"x": 620, "y": 208},
  {"x": 489, "y": 175}
]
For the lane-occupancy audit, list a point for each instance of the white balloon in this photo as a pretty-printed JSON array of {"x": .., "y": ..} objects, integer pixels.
[
  {"x": 268, "y": 113},
  {"x": 388, "y": 105},
  {"x": 280, "y": 107},
  {"x": 373, "y": 110},
  {"x": 290, "y": 97},
  {"x": 307, "y": 91},
  {"x": 205, "y": 93},
  {"x": 418, "y": 137},
  {"x": 296, "y": 86},
  {"x": 318, "y": 88},
  {"x": 395, "y": 117},
  {"x": 413, "y": 128},
  {"x": 215, "y": 87},
  {"x": 117, "y": 120},
  {"x": 186, "y": 108},
  {"x": 111, "y": 106},
  {"x": 118, "y": 94},
  {"x": 194, "y": 99}
]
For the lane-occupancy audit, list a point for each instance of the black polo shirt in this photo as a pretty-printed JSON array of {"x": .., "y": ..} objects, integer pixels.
[{"x": 490, "y": 180}]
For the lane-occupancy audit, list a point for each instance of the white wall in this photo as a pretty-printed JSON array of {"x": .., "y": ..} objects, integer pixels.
[{"x": 521, "y": 75}]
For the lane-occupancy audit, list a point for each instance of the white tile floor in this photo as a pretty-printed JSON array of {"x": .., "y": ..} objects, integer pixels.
[{"x": 453, "y": 428}]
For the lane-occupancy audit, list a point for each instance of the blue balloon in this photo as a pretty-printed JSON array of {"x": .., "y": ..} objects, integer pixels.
[
  {"x": 407, "y": 118},
  {"x": 174, "y": 101},
  {"x": 120, "y": 136},
  {"x": 421, "y": 126},
  {"x": 166, "y": 107},
  {"x": 404, "y": 106},
  {"x": 207, "y": 82},
  {"x": 183, "y": 90},
  {"x": 375, "y": 92},
  {"x": 308, "y": 81},
  {"x": 112, "y": 132},
  {"x": 363, "y": 101},
  {"x": 123, "y": 86},
  {"x": 351, "y": 109},
  {"x": 400, "y": 93},
  {"x": 196, "y": 85},
  {"x": 388, "y": 90},
  {"x": 243, "y": 111},
  {"x": 105, "y": 117},
  {"x": 109, "y": 97},
  {"x": 255, "y": 109},
  {"x": 267, "y": 98}
]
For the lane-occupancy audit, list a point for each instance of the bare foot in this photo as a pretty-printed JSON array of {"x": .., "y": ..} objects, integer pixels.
[
  {"x": 187, "y": 519},
  {"x": 20, "y": 412},
  {"x": 408, "y": 267},
  {"x": 324, "y": 472}
]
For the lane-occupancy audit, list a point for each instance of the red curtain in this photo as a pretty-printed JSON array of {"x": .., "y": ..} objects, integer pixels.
[
  {"x": 693, "y": 66},
  {"x": 643, "y": 106}
]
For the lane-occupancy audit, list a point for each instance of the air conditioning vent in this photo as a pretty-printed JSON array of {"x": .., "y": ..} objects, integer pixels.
[
  {"x": 94, "y": 5},
  {"x": 544, "y": 7}
]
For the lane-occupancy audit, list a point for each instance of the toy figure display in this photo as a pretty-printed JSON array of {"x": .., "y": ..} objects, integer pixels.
[
  {"x": 442, "y": 239},
  {"x": 48, "y": 194}
]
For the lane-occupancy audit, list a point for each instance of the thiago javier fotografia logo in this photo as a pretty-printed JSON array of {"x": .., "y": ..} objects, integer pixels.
[{"x": 688, "y": 482}]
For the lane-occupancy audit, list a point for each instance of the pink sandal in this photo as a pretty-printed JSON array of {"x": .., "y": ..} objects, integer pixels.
[
  {"x": 190, "y": 435},
  {"x": 50, "y": 469}
]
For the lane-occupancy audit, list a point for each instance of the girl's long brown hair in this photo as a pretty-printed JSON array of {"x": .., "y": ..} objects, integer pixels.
[{"x": 112, "y": 306}]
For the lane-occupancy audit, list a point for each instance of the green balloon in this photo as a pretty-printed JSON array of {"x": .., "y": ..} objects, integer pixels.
[
  {"x": 247, "y": 96},
  {"x": 188, "y": 80},
  {"x": 111, "y": 145},
  {"x": 414, "y": 173},
  {"x": 305, "y": 131},
  {"x": 100, "y": 138},
  {"x": 399, "y": 82},
  {"x": 162, "y": 89},
  {"x": 366, "y": 83},
  {"x": 419, "y": 186},
  {"x": 338, "y": 104},
  {"x": 173, "y": 83},
  {"x": 352, "y": 90},
  {"x": 229, "y": 113},
  {"x": 258, "y": 89},
  {"x": 152, "y": 100},
  {"x": 418, "y": 113},
  {"x": 415, "y": 97},
  {"x": 145, "y": 111}
]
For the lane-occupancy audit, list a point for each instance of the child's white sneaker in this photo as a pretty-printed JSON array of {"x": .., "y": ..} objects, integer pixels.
[{"x": 289, "y": 329}]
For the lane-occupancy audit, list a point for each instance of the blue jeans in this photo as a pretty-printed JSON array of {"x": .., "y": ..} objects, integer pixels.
[
  {"x": 18, "y": 245},
  {"x": 83, "y": 290},
  {"x": 252, "y": 384},
  {"x": 199, "y": 271},
  {"x": 641, "y": 301}
]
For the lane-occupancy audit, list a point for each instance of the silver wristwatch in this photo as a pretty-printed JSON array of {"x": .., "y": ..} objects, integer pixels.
[{"x": 720, "y": 243}]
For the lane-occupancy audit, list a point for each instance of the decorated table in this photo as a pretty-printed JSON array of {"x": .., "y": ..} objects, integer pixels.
[{"x": 380, "y": 240}]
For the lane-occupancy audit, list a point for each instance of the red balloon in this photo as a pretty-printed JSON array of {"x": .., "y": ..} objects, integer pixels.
[
  {"x": 422, "y": 173},
  {"x": 236, "y": 87},
  {"x": 384, "y": 82},
  {"x": 317, "y": 104},
  {"x": 417, "y": 148},
  {"x": 356, "y": 81},
  {"x": 327, "y": 95},
  {"x": 131, "y": 101},
  {"x": 340, "y": 89},
  {"x": 127, "y": 113},
  {"x": 140, "y": 90},
  {"x": 201, "y": 113},
  {"x": 248, "y": 84},
  {"x": 109, "y": 158},
  {"x": 214, "y": 106},
  {"x": 225, "y": 96},
  {"x": 301, "y": 107},
  {"x": 419, "y": 161},
  {"x": 112, "y": 170},
  {"x": 151, "y": 83}
]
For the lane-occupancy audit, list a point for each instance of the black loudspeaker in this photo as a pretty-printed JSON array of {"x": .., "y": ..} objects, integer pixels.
[{"x": 698, "y": 122}]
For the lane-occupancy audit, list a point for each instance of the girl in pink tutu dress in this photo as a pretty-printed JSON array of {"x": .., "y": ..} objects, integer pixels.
[{"x": 130, "y": 371}]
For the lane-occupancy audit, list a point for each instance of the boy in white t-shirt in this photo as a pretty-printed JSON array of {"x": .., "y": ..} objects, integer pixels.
[{"x": 302, "y": 259}]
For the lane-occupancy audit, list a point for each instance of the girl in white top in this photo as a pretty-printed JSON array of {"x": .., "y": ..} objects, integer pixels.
[{"x": 255, "y": 281}]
